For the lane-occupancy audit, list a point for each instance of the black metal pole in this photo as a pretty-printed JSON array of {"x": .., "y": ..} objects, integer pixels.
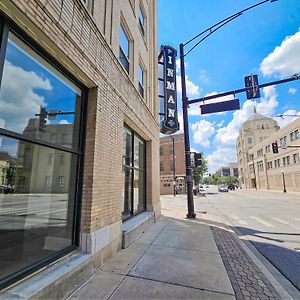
[
  {"x": 189, "y": 177},
  {"x": 283, "y": 180},
  {"x": 174, "y": 168}
]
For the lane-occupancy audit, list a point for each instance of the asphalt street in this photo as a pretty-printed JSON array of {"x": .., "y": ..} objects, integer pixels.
[{"x": 270, "y": 220}]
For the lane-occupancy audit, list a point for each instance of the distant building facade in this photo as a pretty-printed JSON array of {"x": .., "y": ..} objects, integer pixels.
[
  {"x": 168, "y": 175},
  {"x": 231, "y": 170},
  {"x": 264, "y": 169},
  {"x": 253, "y": 131}
]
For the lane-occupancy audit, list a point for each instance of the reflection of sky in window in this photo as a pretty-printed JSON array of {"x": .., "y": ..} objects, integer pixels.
[
  {"x": 124, "y": 42},
  {"x": 60, "y": 97}
]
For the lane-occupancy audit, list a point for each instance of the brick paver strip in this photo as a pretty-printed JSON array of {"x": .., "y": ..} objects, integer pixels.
[{"x": 247, "y": 280}]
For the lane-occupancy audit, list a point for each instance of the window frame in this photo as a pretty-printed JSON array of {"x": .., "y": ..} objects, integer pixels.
[
  {"x": 133, "y": 168},
  {"x": 141, "y": 85},
  {"x": 122, "y": 28},
  {"x": 6, "y": 26},
  {"x": 142, "y": 22}
]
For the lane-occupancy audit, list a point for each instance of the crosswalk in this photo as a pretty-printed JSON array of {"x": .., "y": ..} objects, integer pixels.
[{"x": 271, "y": 222}]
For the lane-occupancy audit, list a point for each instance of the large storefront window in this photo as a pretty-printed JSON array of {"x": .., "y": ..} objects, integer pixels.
[
  {"x": 134, "y": 174},
  {"x": 40, "y": 111}
]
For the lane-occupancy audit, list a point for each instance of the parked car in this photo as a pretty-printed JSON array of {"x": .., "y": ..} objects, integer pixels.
[{"x": 223, "y": 188}]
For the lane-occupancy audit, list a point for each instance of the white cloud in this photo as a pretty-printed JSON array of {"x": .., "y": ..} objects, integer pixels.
[
  {"x": 220, "y": 157},
  {"x": 285, "y": 59},
  {"x": 290, "y": 117},
  {"x": 192, "y": 90},
  {"x": 267, "y": 105},
  {"x": 268, "y": 102},
  {"x": 203, "y": 76},
  {"x": 64, "y": 122},
  {"x": 180, "y": 121},
  {"x": 202, "y": 131},
  {"x": 220, "y": 124},
  {"x": 18, "y": 100},
  {"x": 292, "y": 91}
]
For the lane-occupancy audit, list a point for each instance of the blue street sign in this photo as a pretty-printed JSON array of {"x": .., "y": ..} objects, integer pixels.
[{"x": 220, "y": 106}]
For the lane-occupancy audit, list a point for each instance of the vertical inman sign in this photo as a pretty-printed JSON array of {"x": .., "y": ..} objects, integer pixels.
[{"x": 170, "y": 122}]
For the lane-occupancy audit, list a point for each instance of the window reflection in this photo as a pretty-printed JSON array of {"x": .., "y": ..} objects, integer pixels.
[
  {"x": 30, "y": 86},
  {"x": 134, "y": 174},
  {"x": 36, "y": 205}
]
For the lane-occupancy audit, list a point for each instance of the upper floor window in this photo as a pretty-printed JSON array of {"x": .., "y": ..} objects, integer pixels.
[
  {"x": 283, "y": 141},
  {"x": 250, "y": 140},
  {"x": 142, "y": 20},
  {"x": 141, "y": 77},
  {"x": 294, "y": 135},
  {"x": 161, "y": 151},
  {"x": 124, "y": 49}
]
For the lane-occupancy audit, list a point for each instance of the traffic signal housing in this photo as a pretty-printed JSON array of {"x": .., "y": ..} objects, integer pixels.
[
  {"x": 275, "y": 147},
  {"x": 198, "y": 161},
  {"x": 42, "y": 119}
]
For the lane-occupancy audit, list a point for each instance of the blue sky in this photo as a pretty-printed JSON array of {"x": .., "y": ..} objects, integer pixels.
[{"x": 263, "y": 41}]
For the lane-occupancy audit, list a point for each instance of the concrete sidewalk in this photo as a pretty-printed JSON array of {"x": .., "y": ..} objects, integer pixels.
[{"x": 180, "y": 259}]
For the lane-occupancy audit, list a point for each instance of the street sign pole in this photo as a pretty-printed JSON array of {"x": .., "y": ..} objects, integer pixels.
[{"x": 189, "y": 177}]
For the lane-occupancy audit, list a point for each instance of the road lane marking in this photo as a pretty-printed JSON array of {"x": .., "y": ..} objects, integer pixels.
[
  {"x": 285, "y": 222},
  {"x": 262, "y": 221},
  {"x": 242, "y": 222}
]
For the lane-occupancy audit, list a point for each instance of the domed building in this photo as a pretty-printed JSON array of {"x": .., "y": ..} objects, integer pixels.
[{"x": 255, "y": 130}]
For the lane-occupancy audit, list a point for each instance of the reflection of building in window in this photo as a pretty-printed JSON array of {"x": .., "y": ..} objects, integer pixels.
[
  {"x": 39, "y": 163},
  {"x": 64, "y": 138},
  {"x": 50, "y": 159},
  {"x": 61, "y": 181},
  {"x": 53, "y": 138},
  {"x": 48, "y": 181}
]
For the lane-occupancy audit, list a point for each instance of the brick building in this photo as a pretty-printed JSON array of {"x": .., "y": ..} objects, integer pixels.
[
  {"x": 167, "y": 171},
  {"x": 88, "y": 67}
]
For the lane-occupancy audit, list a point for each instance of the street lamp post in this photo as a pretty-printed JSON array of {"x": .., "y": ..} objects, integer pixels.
[{"x": 185, "y": 102}]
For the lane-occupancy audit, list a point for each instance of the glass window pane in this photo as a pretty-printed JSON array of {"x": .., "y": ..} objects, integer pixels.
[
  {"x": 141, "y": 75},
  {"x": 124, "y": 61},
  {"x": 124, "y": 42},
  {"x": 139, "y": 153},
  {"x": 139, "y": 191},
  {"x": 35, "y": 99},
  {"x": 36, "y": 203},
  {"x": 127, "y": 147},
  {"x": 127, "y": 193},
  {"x": 141, "y": 18}
]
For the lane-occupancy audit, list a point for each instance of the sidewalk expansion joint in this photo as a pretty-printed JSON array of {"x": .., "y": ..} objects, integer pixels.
[
  {"x": 247, "y": 280},
  {"x": 179, "y": 285}
]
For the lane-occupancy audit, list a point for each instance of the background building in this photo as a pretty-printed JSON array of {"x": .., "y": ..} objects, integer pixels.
[
  {"x": 167, "y": 171},
  {"x": 231, "y": 170},
  {"x": 264, "y": 169},
  {"x": 93, "y": 165},
  {"x": 252, "y": 132}
]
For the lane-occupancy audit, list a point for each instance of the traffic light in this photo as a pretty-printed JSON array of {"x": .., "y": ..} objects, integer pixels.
[
  {"x": 42, "y": 119},
  {"x": 198, "y": 161},
  {"x": 251, "y": 83},
  {"x": 275, "y": 147}
]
